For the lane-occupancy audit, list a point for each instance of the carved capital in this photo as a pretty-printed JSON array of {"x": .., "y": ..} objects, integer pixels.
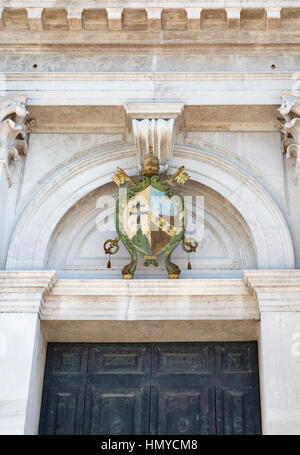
[
  {"x": 289, "y": 123},
  {"x": 13, "y": 129},
  {"x": 154, "y": 124}
]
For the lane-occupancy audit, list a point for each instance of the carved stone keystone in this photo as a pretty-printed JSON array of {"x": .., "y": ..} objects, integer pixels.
[{"x": 154, "y": 124}]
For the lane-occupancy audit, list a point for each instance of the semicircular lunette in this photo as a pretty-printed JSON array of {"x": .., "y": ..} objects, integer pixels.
[{"x": 75, "y": 248}]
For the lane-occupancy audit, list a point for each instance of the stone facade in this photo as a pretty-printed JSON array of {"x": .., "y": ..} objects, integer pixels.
[{"x": 84, "y": 88}]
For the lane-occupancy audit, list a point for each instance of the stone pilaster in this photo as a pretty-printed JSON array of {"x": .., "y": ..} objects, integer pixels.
[
  {"x": 22, "y": 349},
  {"x": 278, "y": 299}
]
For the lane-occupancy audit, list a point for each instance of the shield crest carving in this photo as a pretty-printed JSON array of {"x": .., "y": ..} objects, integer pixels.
[
  {"x": 150, "y": 217},
  {"x": 150, "y": 220}
]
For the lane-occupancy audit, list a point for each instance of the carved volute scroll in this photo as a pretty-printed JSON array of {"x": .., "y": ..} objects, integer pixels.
[
  {"x": 13, "y": 129},
  {"x": 289, "y": 122}
]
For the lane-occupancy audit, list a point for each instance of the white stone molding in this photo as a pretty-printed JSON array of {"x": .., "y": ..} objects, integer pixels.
[
  {"x": 24, "y": 292},
  {"x": 149, "y": 300},
  {"x": 275, "y": 290},
  {"x": 154, "y": 124},
  {"x": 202, "y": 88},
  {"x": 13, "y": 130},
  {"x": 290, "y": 128},
  {"x": 84, "y": 173},
  {"x": 154, "y": 110}
]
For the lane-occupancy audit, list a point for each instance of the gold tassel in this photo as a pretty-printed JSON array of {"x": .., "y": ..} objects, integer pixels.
[
  {"x": 189, "y": 266},
  {"x": 109, "y": 263}
]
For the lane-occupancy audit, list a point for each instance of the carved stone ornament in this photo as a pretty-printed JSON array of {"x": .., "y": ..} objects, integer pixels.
[
  {"x": 154, "y": 124},
  {"x": 290, "y": 127},
  {"x": 13, "y": 129},
  {"x": 150, "y": 217}
]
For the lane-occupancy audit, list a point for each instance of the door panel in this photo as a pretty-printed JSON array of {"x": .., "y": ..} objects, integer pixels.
[
  {"x": 237, "y": 392},
  {"x": 159, "y": 388},
  {"x": 122, "y": 411},
  {"x": 182, "y": 392},
  {"x": 64, "y": 389},
  {"x": 237, "y": 414},
  {"x": 182, "y": 411},
  {"x": 112, "y": 382}
]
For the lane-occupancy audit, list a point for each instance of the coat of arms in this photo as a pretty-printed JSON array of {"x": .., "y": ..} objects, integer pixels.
[{"x": 150, "y": 217}]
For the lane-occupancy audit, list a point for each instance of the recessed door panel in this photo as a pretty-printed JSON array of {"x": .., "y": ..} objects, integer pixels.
[{"x": 182, "y": 410}]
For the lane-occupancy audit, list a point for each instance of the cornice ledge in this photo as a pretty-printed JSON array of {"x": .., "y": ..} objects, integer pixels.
[
  {"x": 25, "y": 291},
  {"x": 150, "y": 300},
  {"x": 275, "y": 290}
]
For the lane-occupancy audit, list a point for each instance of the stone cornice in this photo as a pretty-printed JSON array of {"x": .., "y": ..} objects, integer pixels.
[
  {"x": 275, "y": 290},
  {"x": 220, "y": 19},
  {"x": 208, "y": 299},
  {"x": 24, "y": 292},
  {"x": 149, "y": 300}
]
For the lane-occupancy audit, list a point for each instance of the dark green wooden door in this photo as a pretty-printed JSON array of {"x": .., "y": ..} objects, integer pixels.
[{"x": 159, "y": 388}]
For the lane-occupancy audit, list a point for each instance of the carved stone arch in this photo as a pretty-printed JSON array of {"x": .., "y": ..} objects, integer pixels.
[
  {"x": 70, "y": 183},
  {"x": 75, "y": 248},
  {"x": 235, "y": 181}
]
